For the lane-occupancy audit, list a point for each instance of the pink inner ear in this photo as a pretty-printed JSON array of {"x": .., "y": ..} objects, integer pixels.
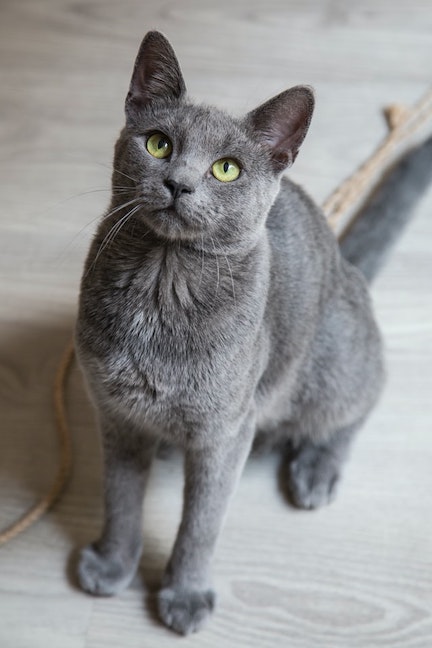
[
  {"x": 286, "y": 145},
  {"x": 282, "y": 123}
]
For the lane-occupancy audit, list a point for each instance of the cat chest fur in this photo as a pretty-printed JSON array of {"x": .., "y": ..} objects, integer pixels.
[{"x": 162, "y": 348}]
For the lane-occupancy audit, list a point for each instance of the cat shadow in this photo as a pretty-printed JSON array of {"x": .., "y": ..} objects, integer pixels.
[
  {"x": 29, "y": 357},
  {"x": 287, "y": 453},
  {"x": 30, "y": 353},
  {"x": 281, "y": 453}
]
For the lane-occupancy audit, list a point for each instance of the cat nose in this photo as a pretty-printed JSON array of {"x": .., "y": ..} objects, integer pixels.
[{"x": 177, "y": 188}]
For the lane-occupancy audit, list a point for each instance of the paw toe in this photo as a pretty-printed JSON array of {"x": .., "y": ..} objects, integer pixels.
[
  {"x": 101, "y": 575},
  {"x": 185, "y": 611},
  {"x": 312, "y": 487}
]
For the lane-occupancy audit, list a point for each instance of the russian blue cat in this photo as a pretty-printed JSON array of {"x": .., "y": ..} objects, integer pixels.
[{"x": 215, "y": 309}]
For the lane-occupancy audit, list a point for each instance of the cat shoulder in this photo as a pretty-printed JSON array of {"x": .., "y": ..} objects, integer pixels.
[{"x": 294, "y": 208}]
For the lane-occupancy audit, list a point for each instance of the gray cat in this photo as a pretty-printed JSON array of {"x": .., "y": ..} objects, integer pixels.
[{"x": 215, "y": 308}]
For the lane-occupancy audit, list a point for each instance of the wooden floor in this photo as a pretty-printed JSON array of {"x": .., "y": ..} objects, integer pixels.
[{"x": 357, "y": 574}]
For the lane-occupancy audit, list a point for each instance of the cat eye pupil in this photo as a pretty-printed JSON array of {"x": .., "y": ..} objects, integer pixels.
[
  {"x": 226, "y": 170},
  {"x": 159, "y": 146}
]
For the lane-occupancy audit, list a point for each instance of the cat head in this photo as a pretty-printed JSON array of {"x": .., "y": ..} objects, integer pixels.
[{"x": 199, "y": 173}]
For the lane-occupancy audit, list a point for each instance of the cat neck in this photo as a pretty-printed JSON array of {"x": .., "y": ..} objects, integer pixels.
[{"x": 181, "y": 278}]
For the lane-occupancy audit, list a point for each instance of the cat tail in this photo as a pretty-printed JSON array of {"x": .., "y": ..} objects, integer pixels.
[{"x": 381, "y": 220}]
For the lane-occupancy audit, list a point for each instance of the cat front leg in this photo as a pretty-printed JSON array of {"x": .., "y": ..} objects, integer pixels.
[
  {"x": 186, "y": 599},
  {"x": 108, "y": 565}
]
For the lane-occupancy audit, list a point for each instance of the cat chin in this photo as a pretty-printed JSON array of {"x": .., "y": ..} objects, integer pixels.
[{"x": 169, "y": 224}]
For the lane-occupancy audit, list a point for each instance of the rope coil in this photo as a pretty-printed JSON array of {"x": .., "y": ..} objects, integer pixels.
[{"x": 404, "y": 123}]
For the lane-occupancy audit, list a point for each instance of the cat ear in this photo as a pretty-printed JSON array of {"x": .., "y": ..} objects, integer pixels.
[
  {"x": 281, "y": 123},
  {"x": 156, "y": 74}
]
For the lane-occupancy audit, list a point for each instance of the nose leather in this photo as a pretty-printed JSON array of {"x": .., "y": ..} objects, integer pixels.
[{"x": 177, "y": 188}]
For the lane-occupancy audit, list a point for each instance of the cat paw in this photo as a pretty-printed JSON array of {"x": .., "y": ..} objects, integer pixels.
[
  {"x": 185, "y": 611},
  {"x": 103, "y": 575},
  {"x": 313, "y": 478}
]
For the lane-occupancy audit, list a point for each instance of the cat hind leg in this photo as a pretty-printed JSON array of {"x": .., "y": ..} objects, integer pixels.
[{"x": 311, "y": 471}]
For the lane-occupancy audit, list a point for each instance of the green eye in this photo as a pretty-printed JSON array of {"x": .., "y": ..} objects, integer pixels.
[
  {"x": 159, "y": 145},
  {"x": 226, "y": 170}
]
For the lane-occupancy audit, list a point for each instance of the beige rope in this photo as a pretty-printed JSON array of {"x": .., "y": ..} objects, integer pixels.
[{"x": 403, "y": 122}]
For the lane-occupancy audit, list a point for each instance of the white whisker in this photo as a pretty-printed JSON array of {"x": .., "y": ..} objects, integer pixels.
[
  {"x": 218, "y": 269},
  {"x": 118, "y": 171},
  {"x": 115, "y": 229},
  {"x": 122, "y": 206},
  {"x": 232, "y": 280},
  {"x": 73, "y": 239},
  {"x": 202, "y": 259}
]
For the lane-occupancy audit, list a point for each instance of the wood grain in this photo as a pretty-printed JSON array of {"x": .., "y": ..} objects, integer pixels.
[{"x": 358, "y": 574}]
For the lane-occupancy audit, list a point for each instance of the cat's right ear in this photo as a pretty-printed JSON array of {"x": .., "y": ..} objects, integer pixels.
[{"x": 156, "y": 75}]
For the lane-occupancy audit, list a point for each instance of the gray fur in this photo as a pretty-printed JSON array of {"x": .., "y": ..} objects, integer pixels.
[
  {"x": 210, "y": 317},
  {"x": 369, "y": 239}
]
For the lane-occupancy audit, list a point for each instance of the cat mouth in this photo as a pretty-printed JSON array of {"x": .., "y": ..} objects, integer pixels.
[
  {"x": 169, "y": 212},
  {"x": 171, "y": 223}
]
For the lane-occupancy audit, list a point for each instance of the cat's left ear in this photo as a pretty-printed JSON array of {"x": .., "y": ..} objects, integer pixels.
[
  {"x": 156, "y": 75},
  {"x": 281, "y": 124}
]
